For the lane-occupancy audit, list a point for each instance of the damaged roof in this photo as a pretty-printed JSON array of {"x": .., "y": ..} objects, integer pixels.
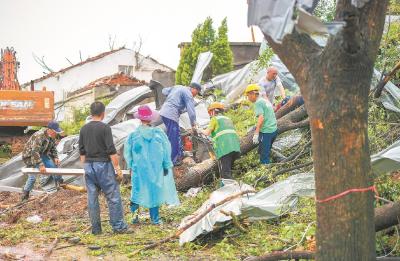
[
  {"x": 118, "y": 79},
  {"x": 90, "y": 59}
]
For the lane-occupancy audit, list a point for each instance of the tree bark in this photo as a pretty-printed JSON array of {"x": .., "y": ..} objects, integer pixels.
[
  {"x": 200, "y": 173},
  {"x": 387, "y": 216},
  {"x": 335, "y": 83}
]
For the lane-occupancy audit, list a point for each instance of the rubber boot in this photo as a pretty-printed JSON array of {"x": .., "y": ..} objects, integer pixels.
[{"x": 25, "y": 195}]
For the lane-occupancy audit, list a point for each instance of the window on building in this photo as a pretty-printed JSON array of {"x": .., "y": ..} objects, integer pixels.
[{"x": 126, "y": 69}]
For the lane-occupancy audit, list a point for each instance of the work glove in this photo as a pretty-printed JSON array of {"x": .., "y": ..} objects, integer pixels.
[
  {"x": 166, "y": 172},
  {"x": 255, "y": 138},
  {"x": 119, "y": 175}
]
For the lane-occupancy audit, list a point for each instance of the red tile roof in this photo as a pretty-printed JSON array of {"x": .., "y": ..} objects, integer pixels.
[{"x": 118, "y": 79}]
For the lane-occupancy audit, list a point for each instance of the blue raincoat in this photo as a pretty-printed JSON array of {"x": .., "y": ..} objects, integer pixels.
[{"x": 147, "y": 153}]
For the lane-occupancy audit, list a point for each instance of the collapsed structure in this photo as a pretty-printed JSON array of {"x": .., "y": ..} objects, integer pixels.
[{"x": 119, "y": 115}]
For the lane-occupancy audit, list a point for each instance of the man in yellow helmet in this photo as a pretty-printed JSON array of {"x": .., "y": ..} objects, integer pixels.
[
  {"x": 225, "y": 139},
  {"x": 266, "y": 127}
]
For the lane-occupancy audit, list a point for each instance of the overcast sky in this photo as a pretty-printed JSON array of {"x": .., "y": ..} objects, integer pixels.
[{"x": 59, "y": 29}]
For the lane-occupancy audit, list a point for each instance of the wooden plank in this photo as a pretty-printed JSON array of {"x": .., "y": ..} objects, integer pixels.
[
  {"x": 60, "y": 172},
  {"x": 19, "y": 190}
]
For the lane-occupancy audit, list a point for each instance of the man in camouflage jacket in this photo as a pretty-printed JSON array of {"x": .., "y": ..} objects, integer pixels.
[{"x": 40, "y": 152}]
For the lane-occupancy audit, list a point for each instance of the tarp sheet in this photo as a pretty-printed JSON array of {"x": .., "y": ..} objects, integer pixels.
[
  {"x": 203, "y": 61},
  {"x": 234, "y": 83},
  {"x": 387, "y": 160}
]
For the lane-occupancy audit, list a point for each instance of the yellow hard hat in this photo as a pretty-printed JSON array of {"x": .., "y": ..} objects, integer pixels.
[
  {"x": 252, "y": 88},
  {"x": 216, "y": 105}
]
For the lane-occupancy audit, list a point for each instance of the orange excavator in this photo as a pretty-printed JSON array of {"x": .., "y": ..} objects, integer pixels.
[{"x": 18, "y": 108}]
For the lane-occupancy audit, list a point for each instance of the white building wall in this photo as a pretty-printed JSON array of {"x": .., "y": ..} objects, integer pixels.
[{"x": 79, "y": 76}]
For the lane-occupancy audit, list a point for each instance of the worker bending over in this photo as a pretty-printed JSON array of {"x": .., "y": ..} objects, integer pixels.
[
  {"x": 225, "y": 139},
  {"x": 178, "y": 99},
  {"x": 40, "y": 152},
  {"x": 266, "y": 127}
]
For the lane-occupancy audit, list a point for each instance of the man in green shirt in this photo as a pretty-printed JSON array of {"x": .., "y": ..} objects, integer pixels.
[
  {"x": 225, "y": 139},
  {"x": 266, "y": 127}
]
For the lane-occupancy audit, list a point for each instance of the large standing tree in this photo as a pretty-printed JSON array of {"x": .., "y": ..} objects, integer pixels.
[
  {"x": 204, "y": 38},
  {"x": 335, "y": 83}
]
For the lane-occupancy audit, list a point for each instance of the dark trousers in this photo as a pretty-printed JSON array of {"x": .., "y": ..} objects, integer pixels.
[
  {"x": 264, "y": 148},
  {"x": 226, "y": 164},
  {"x": 174, "y": 137}
]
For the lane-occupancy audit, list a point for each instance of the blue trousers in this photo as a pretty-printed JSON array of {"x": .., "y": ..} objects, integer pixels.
[
  {"x": 154, "y": 212},
  {"x": 101, "y": 176},
  {"x": 174, "y": 137},
  {"x": 265, "y": 145},
  {"x": 48, "y": 163}
]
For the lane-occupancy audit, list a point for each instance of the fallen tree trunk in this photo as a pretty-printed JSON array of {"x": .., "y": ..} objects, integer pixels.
[
  {"x": 199, "y": 173},
  {"x": 387, "y": 216},
  {"x": 282, "y": 255}
]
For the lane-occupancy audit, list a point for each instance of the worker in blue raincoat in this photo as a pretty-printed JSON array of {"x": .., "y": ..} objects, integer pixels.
[{"x": 148, "y": 154}]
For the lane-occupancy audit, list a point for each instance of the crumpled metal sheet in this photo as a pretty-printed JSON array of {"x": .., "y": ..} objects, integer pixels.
[
  {"x": 387, "y": 160},
  {"x": 272, "y": 16},
  {"x": 120, "y": 102},
  {"x": 206, "y": 224},
  {"x": 307, "y": 23},
  {"x": 269, "y": 203},
  {"x": 203, "y": 61},
  {"x": 235, "y": 82},
  {"x": 276, "y": 18},
  {"x": 279, "y": 198},
  {"x": 202, "y": 117}
]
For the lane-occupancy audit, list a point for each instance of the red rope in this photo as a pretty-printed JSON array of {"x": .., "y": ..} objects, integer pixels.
[{"x": 344, "y": 193}]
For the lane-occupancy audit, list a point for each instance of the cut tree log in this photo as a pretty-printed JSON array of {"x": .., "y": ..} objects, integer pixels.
[
  {"x": 387, "y": 216},
  {"x": 200, "y": 173},
  {"x": 282, "y": 255},
  {"x": 73, "y": 188}
]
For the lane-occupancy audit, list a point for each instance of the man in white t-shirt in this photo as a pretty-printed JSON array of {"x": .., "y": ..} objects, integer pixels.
[{"x": 269, "y": 84}]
